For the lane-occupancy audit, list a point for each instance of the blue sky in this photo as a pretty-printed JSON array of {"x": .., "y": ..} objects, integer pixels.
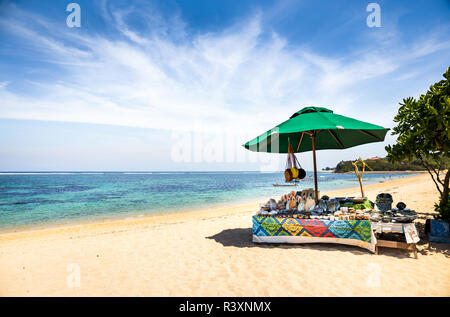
[{"x": 180, "y": 85}]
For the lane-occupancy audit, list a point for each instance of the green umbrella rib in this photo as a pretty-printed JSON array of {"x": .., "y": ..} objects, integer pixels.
[
  {"x": 300, "y": 142},
  {"x": 370, "y": 134},
  {"x": 271, "y": 138},
  {"x": 336, "y": 138}
]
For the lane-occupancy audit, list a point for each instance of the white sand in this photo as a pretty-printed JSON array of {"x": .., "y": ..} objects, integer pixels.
[{"x": 210, "y": 253}]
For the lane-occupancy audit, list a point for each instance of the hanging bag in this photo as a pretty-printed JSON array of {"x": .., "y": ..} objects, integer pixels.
[{"x": 293, "y": 168}]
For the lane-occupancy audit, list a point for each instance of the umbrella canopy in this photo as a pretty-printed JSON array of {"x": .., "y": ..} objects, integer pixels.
[
  {"x": 316, "y": 128},
  {"x": 332, "y": 131}
]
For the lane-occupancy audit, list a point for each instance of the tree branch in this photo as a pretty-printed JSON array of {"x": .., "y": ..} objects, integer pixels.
[
  {"x": 438, "y": 173},
  {"x": 431, "y": 174}
]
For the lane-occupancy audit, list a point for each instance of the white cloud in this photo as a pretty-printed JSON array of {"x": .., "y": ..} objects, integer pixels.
[
  {"x": 4, "y": 84},
  {"x": 241, "y": 80}
]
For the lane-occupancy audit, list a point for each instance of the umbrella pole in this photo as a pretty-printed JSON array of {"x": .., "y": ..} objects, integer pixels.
[{"x": 315, "y": 167}]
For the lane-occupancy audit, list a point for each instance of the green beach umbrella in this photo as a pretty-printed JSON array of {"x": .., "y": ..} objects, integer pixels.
[{"x": 316, "y": 128}]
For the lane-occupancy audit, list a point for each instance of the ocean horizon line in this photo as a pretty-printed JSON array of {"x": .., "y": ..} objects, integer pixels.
[
  {"x": 135, "y": 172},
  {"x": 180, "y": 172}
]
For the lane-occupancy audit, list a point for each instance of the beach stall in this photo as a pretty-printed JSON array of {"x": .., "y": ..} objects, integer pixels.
[
  {"x": 342, "y": 220},
  {"x": 333, "y": 220},
  {"x": 302, "y": 216}
]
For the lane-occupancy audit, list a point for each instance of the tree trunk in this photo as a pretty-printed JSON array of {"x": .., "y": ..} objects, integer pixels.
[{"x": 445, "y": 190}]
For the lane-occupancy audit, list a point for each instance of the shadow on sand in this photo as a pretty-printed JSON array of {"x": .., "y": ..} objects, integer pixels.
[
  {"x": 426, "y": 247},
  {"x": 242, "y": 238}
]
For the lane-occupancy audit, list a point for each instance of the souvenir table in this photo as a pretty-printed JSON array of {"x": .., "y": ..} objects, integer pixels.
[
  {"x": 297, "y": 218},
  {"x": 273, "y": 229},
  {"x": 361, "y": 233},
  {"x": 409, "y": 230}
]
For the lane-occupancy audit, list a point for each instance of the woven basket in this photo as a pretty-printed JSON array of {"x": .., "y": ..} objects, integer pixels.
[
  {"x": 383, "y": 203},
  {"x": 288, "y": 175}
]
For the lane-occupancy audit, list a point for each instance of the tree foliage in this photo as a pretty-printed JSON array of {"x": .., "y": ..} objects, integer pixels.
[{"x": 423, "y": 132}]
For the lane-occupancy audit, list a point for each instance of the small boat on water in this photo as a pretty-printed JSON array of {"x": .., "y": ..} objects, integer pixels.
[{"x": 285, "y": 185}]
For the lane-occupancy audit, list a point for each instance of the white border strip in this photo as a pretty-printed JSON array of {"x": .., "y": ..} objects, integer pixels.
[{"x": 302, "y": 239}]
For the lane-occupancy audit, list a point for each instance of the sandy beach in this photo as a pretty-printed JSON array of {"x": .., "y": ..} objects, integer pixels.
[{"x": 210, "y": 253}]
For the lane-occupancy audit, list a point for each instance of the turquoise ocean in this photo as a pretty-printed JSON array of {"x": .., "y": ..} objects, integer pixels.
[{"x": 43, "y": 198}]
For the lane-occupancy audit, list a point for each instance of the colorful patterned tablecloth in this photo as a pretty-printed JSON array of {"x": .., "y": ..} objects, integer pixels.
[{"x": 293, "y": 230}]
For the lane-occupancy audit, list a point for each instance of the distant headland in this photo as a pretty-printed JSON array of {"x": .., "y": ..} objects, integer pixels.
[{"x": 379, "y": 164}]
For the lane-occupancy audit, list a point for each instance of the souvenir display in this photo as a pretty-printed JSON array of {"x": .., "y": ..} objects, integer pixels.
[
  {"x": 401, "y": 205},
  {"x": 309, "y": 203},
  {"x": 395, "y": 215},
  {"x": 301, "y": 204},
  {"x": 273, "y": 204},
  {"x": 384, "y": 201}
]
